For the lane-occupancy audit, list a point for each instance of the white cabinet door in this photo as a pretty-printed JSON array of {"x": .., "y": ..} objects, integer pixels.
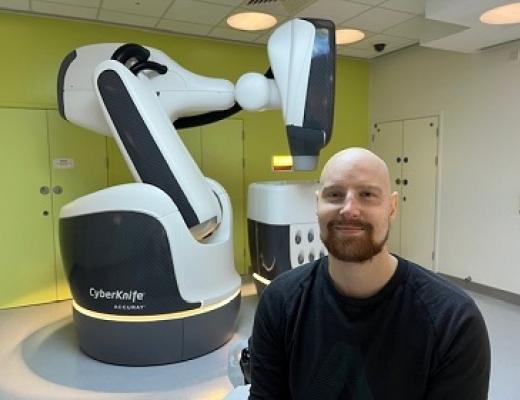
[
  {"x": 409, "y": 148},
  {"x": 418, "y": 190},
  {"x": 387, "y": 143}
]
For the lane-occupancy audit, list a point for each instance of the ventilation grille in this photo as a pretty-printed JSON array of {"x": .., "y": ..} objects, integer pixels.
[
  {"x": 254, "y": 2},
  {"x": 291, "y": 6}
]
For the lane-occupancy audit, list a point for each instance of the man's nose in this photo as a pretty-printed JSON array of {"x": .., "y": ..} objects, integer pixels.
[{"x": 350, "y": 207}]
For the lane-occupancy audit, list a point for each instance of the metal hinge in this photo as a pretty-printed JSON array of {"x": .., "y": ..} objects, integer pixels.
[{"x": 436, "y": 160}]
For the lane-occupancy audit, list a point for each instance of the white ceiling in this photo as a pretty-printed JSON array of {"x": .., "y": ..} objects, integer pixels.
[{"x": 449, "y": 24}]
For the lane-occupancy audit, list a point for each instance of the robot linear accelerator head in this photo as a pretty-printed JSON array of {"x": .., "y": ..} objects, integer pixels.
[{"x": 300, "y": 81}]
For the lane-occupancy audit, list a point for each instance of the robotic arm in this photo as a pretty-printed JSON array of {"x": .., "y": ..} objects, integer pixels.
[
  {"x": 138, "y": 89},
  {"x": 147, "y": 258}
]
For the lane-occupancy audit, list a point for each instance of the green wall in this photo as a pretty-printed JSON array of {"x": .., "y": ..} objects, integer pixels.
[{"x": 33, "y": 48}]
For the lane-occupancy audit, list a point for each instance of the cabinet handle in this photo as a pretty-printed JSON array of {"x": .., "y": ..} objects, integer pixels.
[
  {"x": 404, "y": 198},
  {"x": 398, "y": 160},
  {"x": 45, "y": 213},
  {"x": 44, "y": 190},
  {"x": 405, "y": 182},
  {"x": 398, "y": 181},
  {"x": 405, "y": 159},
  {"x": 57, "y": 189}
]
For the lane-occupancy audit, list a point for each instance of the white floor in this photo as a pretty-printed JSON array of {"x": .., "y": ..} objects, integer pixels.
[{"x": 40, "y": 359}]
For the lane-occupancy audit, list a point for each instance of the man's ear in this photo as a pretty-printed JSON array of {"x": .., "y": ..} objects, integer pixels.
[{"x": 394, "y": 205}]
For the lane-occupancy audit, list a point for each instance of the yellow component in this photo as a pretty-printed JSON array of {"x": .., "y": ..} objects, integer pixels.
[
  {"x": 261, "y": 279},
  {"x": 153, "y": 318},
  {"x": 282, "y": 163}
]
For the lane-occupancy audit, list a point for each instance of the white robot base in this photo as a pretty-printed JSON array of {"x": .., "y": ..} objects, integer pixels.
[
  {"x": 160, "y": 339},
  {"x": 142, "y": 293}
]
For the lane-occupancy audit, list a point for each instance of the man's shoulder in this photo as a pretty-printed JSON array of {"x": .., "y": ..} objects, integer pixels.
[
  {"x": 442, "y": 299},
  {"x": 431, "y": 285},
  {"x": 288, "y": 284}
]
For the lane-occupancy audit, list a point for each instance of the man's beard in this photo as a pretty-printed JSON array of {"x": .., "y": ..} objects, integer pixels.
[{"x": 357, "y": 248}]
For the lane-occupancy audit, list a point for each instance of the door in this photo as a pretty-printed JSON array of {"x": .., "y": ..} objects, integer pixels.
[
  {"x": 192, "y": 140},
  {"x": 78, "y": 161},
  {"x": 387, "y": 143},
  {"x": 418, "y": 194},
  {"x": 27, "y": 274},
  {"x": 223, "y": 161}
]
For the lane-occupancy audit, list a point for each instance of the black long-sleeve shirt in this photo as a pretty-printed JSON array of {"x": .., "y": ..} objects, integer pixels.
[{"x": 420, "y": 337}]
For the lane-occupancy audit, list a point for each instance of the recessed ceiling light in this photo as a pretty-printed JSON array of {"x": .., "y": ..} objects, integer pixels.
[
  {"x": 346, "y": 36},
  {"x": 503, "y": 15},
  {"x": 251, "y": 21}
]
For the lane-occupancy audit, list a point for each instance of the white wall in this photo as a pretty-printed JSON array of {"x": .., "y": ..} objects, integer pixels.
[{"x": 478, "y": 99}]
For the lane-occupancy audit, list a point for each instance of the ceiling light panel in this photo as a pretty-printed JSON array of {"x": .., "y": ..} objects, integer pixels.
[
  {"x": 251, "y": 21},
  {"x": 503, "y": 15},
  {"x": 279, "y": 18},
  {"x": 64, "y": 10},
  {"x": 127, "y": 19},
  {"x": 378, "y": 19},
  {"x": 198, "y": 12},
  {"x": 151, "y": 8},
  {"x": 348, "y": 36},
  {"x": 336, "y": 10}
]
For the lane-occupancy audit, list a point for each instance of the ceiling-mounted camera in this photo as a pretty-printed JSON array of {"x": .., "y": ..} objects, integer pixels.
[{"x": 379, "y": 47}]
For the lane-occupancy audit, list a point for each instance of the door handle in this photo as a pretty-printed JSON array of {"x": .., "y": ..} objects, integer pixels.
[
  {"x": 57, "y": 189},
  {"x": 44, "y": 190}
]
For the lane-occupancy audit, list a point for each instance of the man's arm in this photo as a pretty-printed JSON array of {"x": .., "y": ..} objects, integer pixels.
[
  {"x": 462, "y": 371},
  {"x": 269, "y": 365}
]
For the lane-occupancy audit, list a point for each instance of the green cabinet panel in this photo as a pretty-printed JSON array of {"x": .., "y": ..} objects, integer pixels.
[
  {"x": 78, "y": 161},
  {"x": 118, "y": 172},
  {"x": 192, "y": 140},
  {"x": 27, "y": 274},
  {"x": 223, "y": 161}
]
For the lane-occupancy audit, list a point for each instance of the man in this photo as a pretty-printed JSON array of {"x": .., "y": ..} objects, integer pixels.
[{"x": 364, "y": 324}]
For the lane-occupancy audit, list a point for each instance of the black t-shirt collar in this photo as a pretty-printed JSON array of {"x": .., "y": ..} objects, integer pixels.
[{"x": 400, "y": 275}]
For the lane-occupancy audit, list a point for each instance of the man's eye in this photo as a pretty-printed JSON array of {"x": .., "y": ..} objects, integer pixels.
[
  {"x": 334, "y": 195},
  {"x": 367, "y": 194}
]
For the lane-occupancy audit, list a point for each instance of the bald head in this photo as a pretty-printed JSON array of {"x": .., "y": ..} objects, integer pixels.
[
  {"x": 359, "y": 161},
  {"x": 355, "y": 206}
]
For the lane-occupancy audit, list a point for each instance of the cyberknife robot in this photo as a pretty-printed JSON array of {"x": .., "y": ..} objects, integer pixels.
[{"x": 150, "y": 264}]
